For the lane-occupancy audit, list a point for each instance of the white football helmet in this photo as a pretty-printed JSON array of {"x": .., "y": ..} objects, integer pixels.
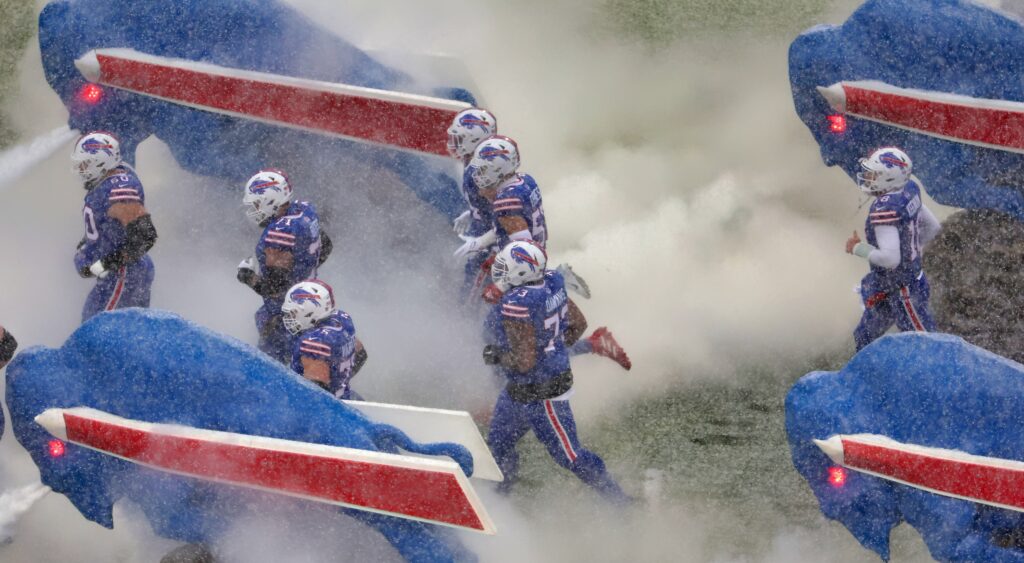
[
  {"x": 520, "y": 262},
  {"x": 94, "y": 155},
  {"x": 468, "y": 128},
  {"x": 265, "y": 194},
  {"x": 495, "y": 160},
  {"x": 306, "y": 303},
  {"x": 887, "y": 170}
]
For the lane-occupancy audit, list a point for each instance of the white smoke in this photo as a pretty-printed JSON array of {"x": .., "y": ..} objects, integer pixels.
[
  {"x": 14, "y": 504},
  {"x": 678, "y": 182}
]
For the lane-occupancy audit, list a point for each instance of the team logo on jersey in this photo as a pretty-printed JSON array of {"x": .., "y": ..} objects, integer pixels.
[
  {"x": 890, "y": 160},
  {"x": 523, "y": 257},
  {"x": 93, "y": 145},
  {"x": 470, "y": 121},
  {"x": 302, "y": 296}
]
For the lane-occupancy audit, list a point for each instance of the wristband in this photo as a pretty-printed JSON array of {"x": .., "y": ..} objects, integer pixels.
[{"x": 863, "y": 250}]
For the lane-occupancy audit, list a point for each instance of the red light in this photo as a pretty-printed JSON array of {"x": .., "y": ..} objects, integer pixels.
[
  {"x": 90, "y": 93},
  {"x": 836, "y": 476},
  {"x": 837, "y": 123},
  {"x": 56, "y": 448}
]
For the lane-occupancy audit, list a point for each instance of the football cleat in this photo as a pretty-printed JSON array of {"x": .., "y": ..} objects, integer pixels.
[{"x": 604, "y": 344}]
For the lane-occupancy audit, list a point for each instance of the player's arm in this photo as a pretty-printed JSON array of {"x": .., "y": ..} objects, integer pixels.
[
  {"x": 516, "y": 226},
  {"x": 360, "y": 358},
  {"x": 140, "y": 236},
  {"x": 317, "y": 371},
  {"x": 929, "y": 225},
  {"x": 277, "y": 277},
  {"x": 886, "y": 255},
  {"x": 7, "y": 346},
  {"x": 326, "y": 246},
  {"x": 577, "y": 324},
  {"x": 508, "y": 212},
  {"x": 522, "y": 353}
]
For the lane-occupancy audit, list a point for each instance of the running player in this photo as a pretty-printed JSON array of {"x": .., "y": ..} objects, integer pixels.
[{"x": 897, "y": 229}]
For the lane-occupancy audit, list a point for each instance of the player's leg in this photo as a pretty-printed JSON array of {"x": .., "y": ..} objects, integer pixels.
[
  {"x": 912, "y": 311},
  {"x": 274, "y": 340},
  {"x": 554, "y": 425},
  {"x": 138, "y": 284},
  {"x": 508, "y": 426},
  {"x": 878, "y": 315},
  {"x": 602, "y": 342},
  {"x": 105, "y": 295},
  {"x": 474, "y": 279}
]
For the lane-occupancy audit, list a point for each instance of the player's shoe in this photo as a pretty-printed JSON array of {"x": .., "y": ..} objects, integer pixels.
[
  {"x": 604, "y": 344},
  {"x": 574, "y": 282}
]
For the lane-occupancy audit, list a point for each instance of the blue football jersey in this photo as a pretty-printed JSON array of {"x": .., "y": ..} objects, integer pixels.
[
  {"x": 545, "y": 305},
  {"x": 332, "y": 340},
  {"x": 520, "y": 197},
  {"x": 103, "y": 233},
  {"x": 898, "y": 209},
  {"x": 479, "y": 207},
  {"x": 298, "y": 232}
]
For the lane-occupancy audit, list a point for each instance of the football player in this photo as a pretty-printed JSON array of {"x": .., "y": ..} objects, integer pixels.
[
  {"x": 326, "y": 350},
  {"x": 289, "y": 250},
  {"x": 530, "y": 329},
  {"x": 118, "y": 229},
  {"x": 898, "y": 228}
]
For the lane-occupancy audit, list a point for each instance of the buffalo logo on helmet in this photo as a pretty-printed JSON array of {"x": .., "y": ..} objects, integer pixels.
[
  {"x": 301, "y": 296},
  {"x": 521, "y": 256},
  {"x": 470, "y": 121},
  {"x": 93, "y": 145},
  {"x": 261, "y": 187},
  {"x": 891, "y": 160},
  {"x": 492, "y": 152}
]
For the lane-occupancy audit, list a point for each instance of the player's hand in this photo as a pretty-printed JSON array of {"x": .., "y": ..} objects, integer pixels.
[
  {"x": 492, "y": 354},
  {"x": 471, "y": 245},
  {"x": 247, "y": 271},
  {"x": 97, "y": 269},
  {"x": 476, "y": 244},
  {"x": 492, "y": 294},
  {"x": 462, "y": 223},
  {"x": 852, "y": 242}
]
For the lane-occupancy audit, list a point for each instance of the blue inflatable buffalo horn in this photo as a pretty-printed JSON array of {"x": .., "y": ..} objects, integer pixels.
[
  {"x": 265, "y": 36},
  {"x": 152, "y": 366},
  {"x": 930, "y": 390},
  {"x": 938, "y": 78}
]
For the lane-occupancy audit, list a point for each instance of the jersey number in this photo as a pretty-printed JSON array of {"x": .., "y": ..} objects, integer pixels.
[
  {"x": 91, "y": 232},
  {"x": 554, "y": 324}
]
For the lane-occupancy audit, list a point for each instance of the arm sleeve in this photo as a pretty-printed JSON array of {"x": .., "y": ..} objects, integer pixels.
[
  {"x": 887, "y": 255},
  {"x": 930, "y": 226},
  {"x": 140, "y": 236},
  {"x": 7, "y": 347},
  {"x": 326, "y": 246}
]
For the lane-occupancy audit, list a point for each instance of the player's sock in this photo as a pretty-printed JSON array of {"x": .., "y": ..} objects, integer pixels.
[
  {"x": 591, "y": 470},
  {"x": 582, "y": 346},
  {"x": 604, "y": 344}
]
